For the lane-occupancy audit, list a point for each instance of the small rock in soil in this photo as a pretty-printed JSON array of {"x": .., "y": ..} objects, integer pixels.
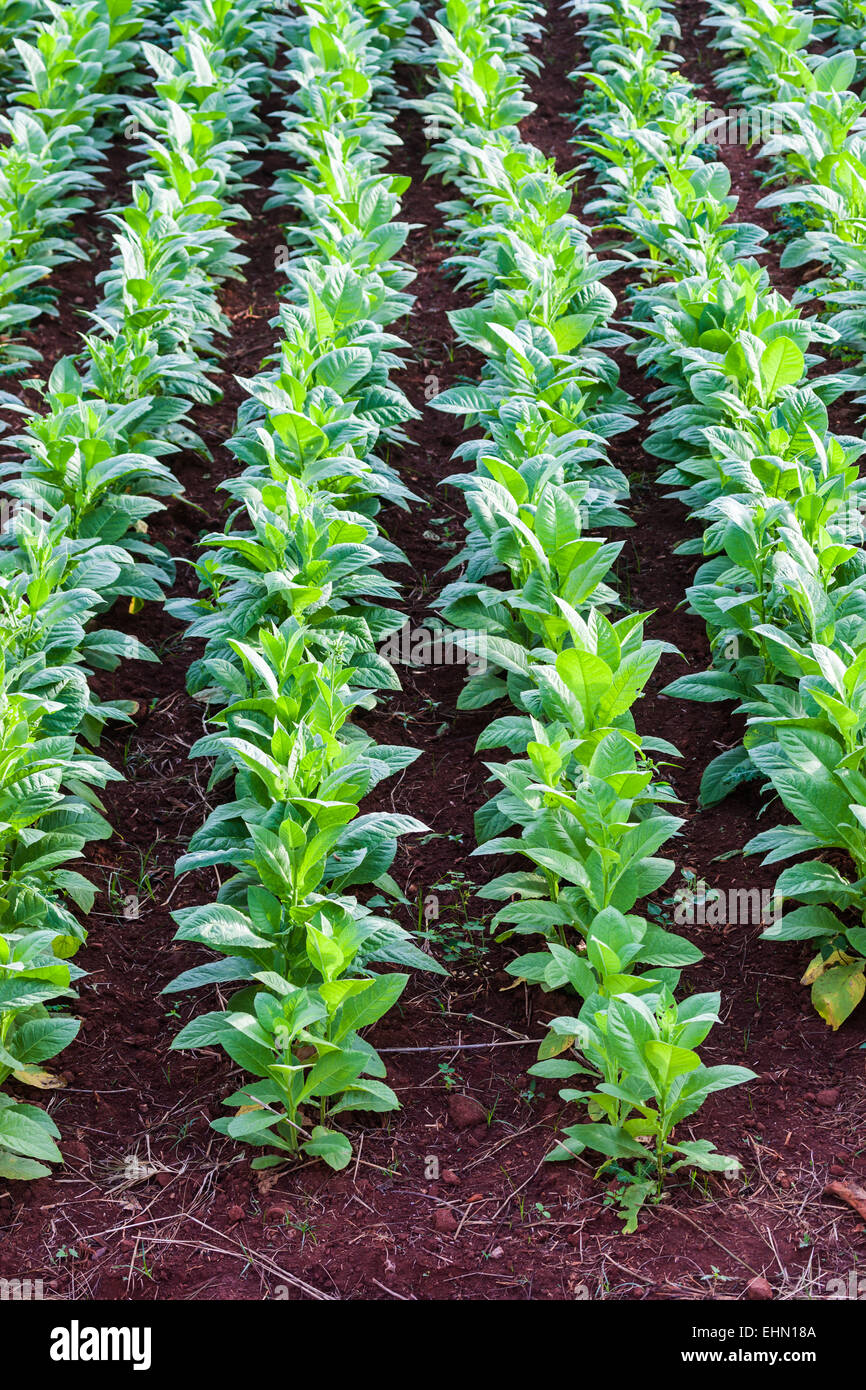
[
  {"x": 276, "y": 1214},
  {"x": 465, "y": 1112},
  {"x": 235, "y": 1214},
  {"x": 828, "y": 1098},
  {"x": 450, "y": 1178},
  {"x": 445, "y": 1221},
  {"x": 758, "y": 1288}
]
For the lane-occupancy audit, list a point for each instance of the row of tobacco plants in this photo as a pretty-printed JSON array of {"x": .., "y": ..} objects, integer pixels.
[
  {"x": 802, "y": 112},
  {"x": 742, "y": 421},
  {"x": 294, "y": 608},
  {"x": 581, "y": 802},
  {"x": 87, "y": 469}
]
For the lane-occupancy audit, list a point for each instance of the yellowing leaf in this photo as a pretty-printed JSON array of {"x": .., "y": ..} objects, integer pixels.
[
  {"x": 837, "y": 993},
  {"x": 42, "y": 1080},
  {"x": 65, "y": 947},
  {"x": 819, "y": 964},
  {"x": 553, "y": 1044}
]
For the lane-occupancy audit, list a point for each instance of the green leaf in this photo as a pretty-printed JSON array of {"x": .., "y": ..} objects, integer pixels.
[
  {"x": 30, "y": 1132},
  {"x": 782, "y": 364},
  {"x": 329, "y": 1145},
  {"x": 837, "y": 73},
  {"x": 706, "y": 686},
  {"x": 360, "y": 1010},
  {"x": 700, "y": 1153},
  {"x": 587, "y": 677},
  {"x": 18, "y": 1169},
  {"x": 667, "y": 1062},
  {"x": 606, "y": 1139},
  {"x": 804, "y": 924}
]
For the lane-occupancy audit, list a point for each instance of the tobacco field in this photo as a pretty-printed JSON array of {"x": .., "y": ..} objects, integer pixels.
[{"x": 433, "y": 649}]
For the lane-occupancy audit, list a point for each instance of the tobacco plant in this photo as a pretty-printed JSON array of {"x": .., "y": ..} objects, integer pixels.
[
  {"x": 293, "y": 609},
  {"x": 536, "y": 600},
  {"x": 745, "y": 427},
  {"x": 83, "y": 476}
]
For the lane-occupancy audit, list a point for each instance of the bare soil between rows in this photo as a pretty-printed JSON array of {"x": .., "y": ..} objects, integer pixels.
[{"x": 152, "y": 1204}]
